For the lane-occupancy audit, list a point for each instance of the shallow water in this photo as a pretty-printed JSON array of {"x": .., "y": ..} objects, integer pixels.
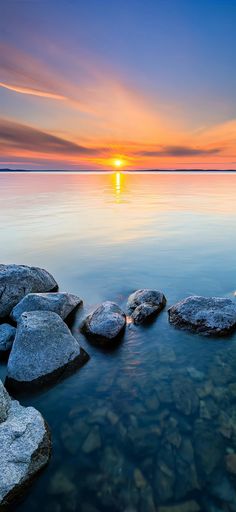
[{"x": 158, "y": 413}]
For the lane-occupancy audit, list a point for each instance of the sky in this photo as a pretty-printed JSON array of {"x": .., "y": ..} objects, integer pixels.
[{"x": 132, "y": 84}]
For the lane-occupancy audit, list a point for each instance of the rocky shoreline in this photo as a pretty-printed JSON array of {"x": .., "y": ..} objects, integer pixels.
[{"x": 42, "y": 350}]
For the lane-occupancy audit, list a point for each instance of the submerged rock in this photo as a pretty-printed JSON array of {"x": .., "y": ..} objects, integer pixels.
[
  {"x": 187, "y": 506},
  {"x": 44, "y": 349},
  {"x": 18, "y": 280},
  {"x": 58, "y": 302},
  {"x": 7, "y": 336},
  {"x": 204, "y": 315},
  {"x": 105, "y": 324},
  {"x": 24, "y": 447},
  {"x": 144, "y": 304}
]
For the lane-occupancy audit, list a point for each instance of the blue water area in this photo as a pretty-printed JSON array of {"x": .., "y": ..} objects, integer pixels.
[{"x": 151, "y": 424}]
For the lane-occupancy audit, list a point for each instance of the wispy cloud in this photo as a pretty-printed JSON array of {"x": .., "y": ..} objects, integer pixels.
[
  {"x": 18, "y": 137},
  {"x": 178, "y": 151},
  {"x": 32, "y": 92}
]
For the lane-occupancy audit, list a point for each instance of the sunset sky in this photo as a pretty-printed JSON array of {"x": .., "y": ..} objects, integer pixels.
[{"x": 148, "y": 83}]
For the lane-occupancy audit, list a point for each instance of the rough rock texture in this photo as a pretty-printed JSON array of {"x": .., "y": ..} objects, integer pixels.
[
  {"x": 44, "y": 349},
  {"x": 5, "y": 403},
  {"x": 24, "y": 448},
  {"x": 7, "y": 336},
  {"x": 61, "y": 303},
  {"x": 204, "y": 315},
  {"x": 18, "y": 280},
  {"x": 144, "y": 304},
  {"x": 105, "y": 324}
]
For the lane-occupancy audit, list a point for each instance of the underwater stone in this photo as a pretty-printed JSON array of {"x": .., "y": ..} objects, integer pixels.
[
  {"x": 204, "y": 315},
  {"x": 144, "y": 304},
  {"x": 58, "y": 302},
  {"x": 18, "y": 280}
]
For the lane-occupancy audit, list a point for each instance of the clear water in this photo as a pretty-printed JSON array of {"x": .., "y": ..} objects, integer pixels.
[{"x": 160, "y": 410}]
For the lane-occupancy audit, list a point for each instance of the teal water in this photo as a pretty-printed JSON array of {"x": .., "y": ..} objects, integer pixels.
[{"x": 159, "y": 412}]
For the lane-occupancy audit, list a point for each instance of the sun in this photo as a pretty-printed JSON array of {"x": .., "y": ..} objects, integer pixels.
[{"x": 118, "y": 163}]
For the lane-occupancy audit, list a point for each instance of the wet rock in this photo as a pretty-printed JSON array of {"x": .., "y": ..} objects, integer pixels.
[
  {"x": 185, "y": 396},
  {"x": 44, "y": 349},
  {"x": 7, "y": 336},
  {"x": 187, "y": 506},
  {"x": 204, "y": 315},
  {"x": 112, "y": 417},
  {"x": 24, "y": 447},
  {"x": 144, "y": 304},
  {"x": 105, "y": 325},
  {"x": 18, "y": 280},
  {"x": 92, "y": 441},
  {"x": 230, "y": 461},
  {"x": 61, "y": 303},
  {"x": 5, "y": 403}
]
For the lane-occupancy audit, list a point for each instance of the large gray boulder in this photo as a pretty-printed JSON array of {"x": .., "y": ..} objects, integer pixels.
[
  {"x": 205, "y": 315},
  {"x": 7, "y": 336},
  {"x": 44, "y": 349},
  {"x": 61, "y": 303},
  {"x": 18, "y": 280},
  {"x": 144, "y": 304},
  {"x": 24, "y": 447},
  {"x": 106, "y": 324}
]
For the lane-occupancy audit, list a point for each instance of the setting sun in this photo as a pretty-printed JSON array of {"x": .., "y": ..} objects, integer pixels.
[{"x": 118, "y": 162}]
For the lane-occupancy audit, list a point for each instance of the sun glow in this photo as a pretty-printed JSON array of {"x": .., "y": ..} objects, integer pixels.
[{"x": 118, "y": 162}]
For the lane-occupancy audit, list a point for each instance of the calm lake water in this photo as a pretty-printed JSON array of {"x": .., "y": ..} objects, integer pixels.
[{"x": 159, "y": 412}]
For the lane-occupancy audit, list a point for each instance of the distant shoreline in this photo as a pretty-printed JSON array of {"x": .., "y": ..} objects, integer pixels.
[{"x": 124, "y": 171}]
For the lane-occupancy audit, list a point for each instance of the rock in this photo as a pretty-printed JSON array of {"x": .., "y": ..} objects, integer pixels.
[
  {"x": 93, "y": 441},
  {"x": 139, "y": 479},
  {"x": 230, "y": 461},
  {"x": 105, "y": 324},
  {"x": 223, "y": 489},
  {"x": 187, "y": 506},
  {"x": 44, "y": 349},
  {"x": 7, "y": 336},
  {"x": 5, "y": 403},
  {"x": 61, "y": 484},
  {"x": 185, "y": 396},
  {"x": 209, "y": 448},
  {"x": 18, "y": 280},
  {"x": 61, "y": 303},
  {"x": 204, "y": 315},
  {"x": 143, "y": 304},
  {"x": 24, "y": 448}
]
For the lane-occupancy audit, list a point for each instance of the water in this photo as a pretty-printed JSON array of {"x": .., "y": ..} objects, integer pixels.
[{"x": 160, "y": 410}]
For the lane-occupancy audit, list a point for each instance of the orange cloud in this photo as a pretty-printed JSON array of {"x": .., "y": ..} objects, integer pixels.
[{"x": 33, "y": 92}]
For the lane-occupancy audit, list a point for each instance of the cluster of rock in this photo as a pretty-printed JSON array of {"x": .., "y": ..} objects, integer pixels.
[
  {"x": 42, "y": 349},
  {"x": 25, "y": 446}
]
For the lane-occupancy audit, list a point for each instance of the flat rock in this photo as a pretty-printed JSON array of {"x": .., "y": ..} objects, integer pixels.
[
  {"x": 204, "y": 315},
  {"x": 44, "y": 349},
  {"x": 144, "y": 304},
  {"x": 18, "y": 280},
  {"x": 24, "y": 448},
  {"x": 105, "y": 324},
  {"x": 7, "y": 336},
  {"x": 58, "y": 302}
]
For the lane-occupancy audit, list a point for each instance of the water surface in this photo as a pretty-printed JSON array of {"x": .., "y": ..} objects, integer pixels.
[{"x": 159, "y": 412}]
